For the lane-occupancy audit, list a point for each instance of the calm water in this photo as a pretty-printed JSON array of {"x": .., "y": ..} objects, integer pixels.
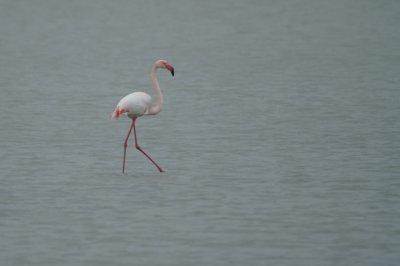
[{"x": 280, "y": 133}]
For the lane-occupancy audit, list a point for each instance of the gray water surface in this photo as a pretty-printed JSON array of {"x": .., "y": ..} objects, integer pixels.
[{"x": 280, "y": 133}]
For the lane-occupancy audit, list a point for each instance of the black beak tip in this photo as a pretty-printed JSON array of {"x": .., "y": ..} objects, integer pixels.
[{"x": 172, "y": 72}]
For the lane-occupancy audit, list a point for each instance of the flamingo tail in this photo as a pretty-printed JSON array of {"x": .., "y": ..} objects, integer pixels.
[{"x": 118, "y": 112}]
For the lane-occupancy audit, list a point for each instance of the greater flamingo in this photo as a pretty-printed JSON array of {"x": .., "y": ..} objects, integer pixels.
[{"x": 137, "y": 104}]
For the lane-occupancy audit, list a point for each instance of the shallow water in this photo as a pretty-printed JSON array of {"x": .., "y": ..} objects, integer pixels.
[{"x": 279, "y": 133}]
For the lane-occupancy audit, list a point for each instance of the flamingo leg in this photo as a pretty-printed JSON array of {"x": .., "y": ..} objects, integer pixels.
[
  {"x": 140, "y": 149},
  {"x": 126, "y": 144}
]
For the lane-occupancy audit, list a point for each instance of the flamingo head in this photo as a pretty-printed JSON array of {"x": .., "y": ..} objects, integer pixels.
[{"x": 165, "y": 64}]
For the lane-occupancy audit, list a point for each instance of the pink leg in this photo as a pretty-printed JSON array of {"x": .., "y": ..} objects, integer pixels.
[
  {"x": 126, "y": 145},
  {"x": 140, "y": 149}
]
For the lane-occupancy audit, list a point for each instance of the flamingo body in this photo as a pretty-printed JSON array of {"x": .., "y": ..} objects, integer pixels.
[{"x": 133, "y": 105}]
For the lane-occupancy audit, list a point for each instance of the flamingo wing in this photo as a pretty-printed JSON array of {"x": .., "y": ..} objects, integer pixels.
[{"x": 134, "y": 105}]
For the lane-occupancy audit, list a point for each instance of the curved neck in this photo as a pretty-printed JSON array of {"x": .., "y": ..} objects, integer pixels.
[{"x": 156, "y": 108}]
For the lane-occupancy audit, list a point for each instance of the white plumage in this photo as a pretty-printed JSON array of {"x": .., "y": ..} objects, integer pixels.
[{"x": 134, "y": 105}]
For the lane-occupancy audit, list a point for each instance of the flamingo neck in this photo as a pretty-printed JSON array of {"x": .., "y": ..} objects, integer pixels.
[{"x": 156, "y": 108}]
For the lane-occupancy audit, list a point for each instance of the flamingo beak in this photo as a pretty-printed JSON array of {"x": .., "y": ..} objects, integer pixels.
[{"x": 170, "y": 68}]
